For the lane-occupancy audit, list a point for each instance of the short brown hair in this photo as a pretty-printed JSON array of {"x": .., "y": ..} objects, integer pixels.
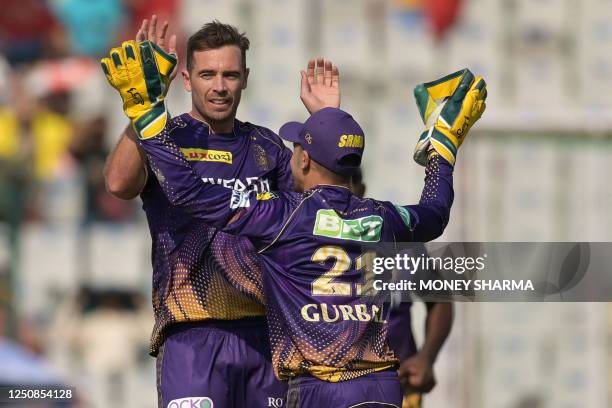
[{"x": 215, "y": 35}]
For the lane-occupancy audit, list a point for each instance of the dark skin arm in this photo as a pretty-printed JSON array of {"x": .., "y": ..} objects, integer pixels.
[{"x": 416, "y": 373}]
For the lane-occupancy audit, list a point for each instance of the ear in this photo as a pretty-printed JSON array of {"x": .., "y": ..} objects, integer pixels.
[
  {"x": 305, "y": 161},
  {"x": 246, "y": 78},
  {"x": 186, "y": 81}
]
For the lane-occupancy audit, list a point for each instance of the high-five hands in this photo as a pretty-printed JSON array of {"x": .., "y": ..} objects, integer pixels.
[
  {"x": 149, "y": 32},
  {"x": 449, "y": 107},
  {"x": 141, "y": 71},
  {"x": 320, "y": 87}
]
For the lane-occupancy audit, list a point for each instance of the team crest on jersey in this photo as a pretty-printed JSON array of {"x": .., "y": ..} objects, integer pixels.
[
  {"x": 365, "y": 229},
  {"x": 196, "y": 154},
  {"x": 261, "y": 158}
]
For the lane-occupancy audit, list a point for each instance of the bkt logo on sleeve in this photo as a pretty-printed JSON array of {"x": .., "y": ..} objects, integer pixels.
[{"x": 191, "y": 402}]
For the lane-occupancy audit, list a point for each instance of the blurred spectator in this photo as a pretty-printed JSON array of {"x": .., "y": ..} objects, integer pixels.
[
  {"x": 166, "y": 10},
  {"x": 36, "y": 136},
  {"x": 92, "y": 26},
  {"x": 16, "y": 154},
  {"x": 28, "y": 31},
  {"x": 89, "y": 147}
]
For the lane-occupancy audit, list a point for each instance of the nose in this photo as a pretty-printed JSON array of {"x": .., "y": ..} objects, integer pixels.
[{"x": 219, "y": 84}]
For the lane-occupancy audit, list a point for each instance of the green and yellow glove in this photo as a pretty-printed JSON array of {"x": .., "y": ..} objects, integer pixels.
[
  {"x": 449, "y": 107},
  {"x": 141, "y": 72}
]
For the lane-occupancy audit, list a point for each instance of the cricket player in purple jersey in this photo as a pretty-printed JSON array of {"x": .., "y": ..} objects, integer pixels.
[
  {"x": 327, "y": 328},
  {"x": 210, "y": 335}
]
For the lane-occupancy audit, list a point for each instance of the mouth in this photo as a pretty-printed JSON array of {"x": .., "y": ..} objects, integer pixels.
[{"x": 220, "y": 103}]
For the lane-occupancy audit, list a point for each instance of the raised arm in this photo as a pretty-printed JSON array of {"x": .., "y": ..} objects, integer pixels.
[
  {"x": 259, "y": 217},
  {"x": 449, "y": 107},
  {"x": 211, "y": 203},
  {"x": 125, "y": 170},
  {"x": 430, "y": 217}
]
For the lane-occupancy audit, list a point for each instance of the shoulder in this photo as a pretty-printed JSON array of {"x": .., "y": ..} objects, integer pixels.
[
  {"x": 288, "y": 198},
  {"x": 395, "y": 214},
  {"x": 263, "y": 135},
  {"x": 185, "y": 123}
]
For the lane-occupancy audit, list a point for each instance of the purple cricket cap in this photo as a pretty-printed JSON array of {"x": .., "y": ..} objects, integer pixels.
[{"x": 331, "y": 137}]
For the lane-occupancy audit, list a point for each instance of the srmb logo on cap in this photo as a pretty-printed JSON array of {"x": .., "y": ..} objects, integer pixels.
[{"x": 351, "y": 141}]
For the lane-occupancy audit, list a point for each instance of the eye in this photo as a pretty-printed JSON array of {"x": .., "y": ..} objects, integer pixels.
[{"x": 206, "y": 75}]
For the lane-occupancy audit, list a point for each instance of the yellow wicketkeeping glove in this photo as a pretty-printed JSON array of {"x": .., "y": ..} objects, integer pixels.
[
  {"x": 449, "y": 107},
  {"x": 140, "y": 72}
]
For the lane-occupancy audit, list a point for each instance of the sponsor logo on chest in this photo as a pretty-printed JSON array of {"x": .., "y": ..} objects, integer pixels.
[{"x": 196, "y": 154}]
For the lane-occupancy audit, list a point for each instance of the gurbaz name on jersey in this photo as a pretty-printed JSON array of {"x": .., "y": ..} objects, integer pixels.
[{"x": 331, "y": 313}]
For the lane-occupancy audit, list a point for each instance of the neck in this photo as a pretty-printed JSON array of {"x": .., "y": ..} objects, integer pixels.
[
  {"x": 217, "y": 127},
  {"x": 317, "y": 180}
]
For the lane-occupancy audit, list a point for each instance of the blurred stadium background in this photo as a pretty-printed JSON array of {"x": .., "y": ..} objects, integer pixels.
[{"x": 74, "y": 262}]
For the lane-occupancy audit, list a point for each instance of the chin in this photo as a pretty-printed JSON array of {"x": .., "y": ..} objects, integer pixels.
[{"x": 221, "y": 116}]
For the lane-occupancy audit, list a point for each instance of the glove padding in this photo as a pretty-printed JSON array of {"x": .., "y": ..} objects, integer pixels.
[
  {"x": 141, "y": 72},
  {"x": 449, "y": 107}
]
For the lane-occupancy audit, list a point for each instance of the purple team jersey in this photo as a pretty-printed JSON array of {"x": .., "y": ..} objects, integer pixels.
[
  {"x": 315, "y": 247},
  {"x": 195, "y": 277}
]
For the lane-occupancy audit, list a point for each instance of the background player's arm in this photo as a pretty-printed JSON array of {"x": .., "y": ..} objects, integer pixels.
[
  {"x": 416, "y": 372},
  {"x": 124, "y": 172},
  {"x": 438, "y": 325}
]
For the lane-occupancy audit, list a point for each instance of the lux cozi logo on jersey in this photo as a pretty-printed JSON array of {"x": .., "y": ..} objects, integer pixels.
[
  {"x": 351, "y": 141},
  {"x": 365, "y": 229},
  {"x": 195, "y": 154}
]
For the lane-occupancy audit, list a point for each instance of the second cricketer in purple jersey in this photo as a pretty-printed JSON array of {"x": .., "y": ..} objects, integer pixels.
[{"x": 315, "y": 248}]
